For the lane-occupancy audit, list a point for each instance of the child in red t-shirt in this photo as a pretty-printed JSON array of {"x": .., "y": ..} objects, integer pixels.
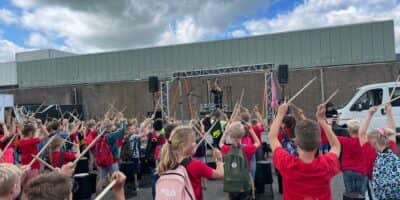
[
  {"x": 28, "y": 146},
  {"x": 379, "y": 142},
  {"x": 6, "y": 155},
  {"x": 307, "y": 176},
  {"x": 353, "y": 162},
  {"x": 59, "y": 158},
  {"x": 180, "y": 146},
  {"x": 237, "y": 132}
]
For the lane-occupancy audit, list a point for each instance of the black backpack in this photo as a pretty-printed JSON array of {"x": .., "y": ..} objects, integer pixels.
[{"x": 130, "y": 148}]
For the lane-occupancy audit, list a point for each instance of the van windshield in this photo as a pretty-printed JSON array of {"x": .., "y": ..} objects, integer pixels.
[{"x": 348, "y": 100}]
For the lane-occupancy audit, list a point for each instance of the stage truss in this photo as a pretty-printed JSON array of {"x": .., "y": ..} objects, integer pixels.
[{"x": 258, "y": 68}]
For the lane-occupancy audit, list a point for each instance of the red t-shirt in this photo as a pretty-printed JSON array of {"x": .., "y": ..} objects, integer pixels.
[
  {"x": 288, "y": 133},
  {"x": 249, "y": 151},
  {"x": 324, "y": 139},
  {"x": 197, "y": 170},
  {"x": 90, "y": 136},
  {"x": 309, "y": 181},
  {"x": 28, "y": 147},
  {"x": 247, "y": 140},
  {"x": 157, "y": 150},
  {"x": 370, "y": 154},
  {"x": 258, "y": 130},
  {"x": 352, "y": 155},
  {"x": 68, "y": 157}
]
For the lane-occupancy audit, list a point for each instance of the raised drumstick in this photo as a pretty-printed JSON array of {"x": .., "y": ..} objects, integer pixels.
[
  {"x": 204, "y": 137},
  {"x": 6, "y": 147},
  {"x": 301, "y": 90},
  {"x": 104, "y": 192},
  {"x": 87, "y": 148},
  {"x": 44, "y": 162},
  {"x": 394, "y": 89},
  {"x": 331, "y": 97},
  {"x": 42, "y": 150}
]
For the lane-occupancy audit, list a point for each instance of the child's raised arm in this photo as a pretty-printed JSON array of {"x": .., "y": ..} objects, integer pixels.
[
  {"x": 332, "y": 139},
  {"x": 362, "y": 132},
  {"x": 390, "y": 121},
  {"x": 275, "y": 126}
]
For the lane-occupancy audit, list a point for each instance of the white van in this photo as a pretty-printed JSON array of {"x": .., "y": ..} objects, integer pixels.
[{"x": 372, "y": 95}]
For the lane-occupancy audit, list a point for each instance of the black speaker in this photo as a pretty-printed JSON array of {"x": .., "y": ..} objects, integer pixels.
[
  {"x": 283, "y": 74},
  {"x": 153, "y": 84}
]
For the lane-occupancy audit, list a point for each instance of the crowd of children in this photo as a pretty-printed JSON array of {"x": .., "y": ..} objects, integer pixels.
[{"x": 38, "y": 159}]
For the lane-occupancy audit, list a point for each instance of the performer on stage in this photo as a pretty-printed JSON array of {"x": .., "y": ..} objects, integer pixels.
[{"x": 218, "y": 93}]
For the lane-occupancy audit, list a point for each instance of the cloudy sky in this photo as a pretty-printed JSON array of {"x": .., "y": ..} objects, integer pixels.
[{"x": 88, "y": 26}]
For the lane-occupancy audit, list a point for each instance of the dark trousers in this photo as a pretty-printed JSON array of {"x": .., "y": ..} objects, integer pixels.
[
  {"x": 240, "y": 195},
  {"x": 280, "y": 186}
]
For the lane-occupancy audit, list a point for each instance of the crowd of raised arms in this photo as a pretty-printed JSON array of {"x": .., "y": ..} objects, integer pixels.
[{"x": 39, "y": 159}]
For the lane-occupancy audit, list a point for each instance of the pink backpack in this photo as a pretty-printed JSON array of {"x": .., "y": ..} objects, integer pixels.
[{"x": 174, "y": 185}]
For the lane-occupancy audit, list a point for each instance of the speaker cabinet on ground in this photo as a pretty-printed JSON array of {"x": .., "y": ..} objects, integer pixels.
[
  {"x": 154, "y": 85},
  {"x": 283, "y": 74}
]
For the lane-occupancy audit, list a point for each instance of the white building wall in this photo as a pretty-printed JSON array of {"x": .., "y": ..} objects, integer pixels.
[{"x": 8, "y": 74}]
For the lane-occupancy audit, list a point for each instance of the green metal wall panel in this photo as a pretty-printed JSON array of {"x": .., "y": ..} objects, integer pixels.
[
  {"x": 350, "y": 44},
  {"x": 356, "y": 46},
  {"x": 268, "y": 52},
  {"x": 316, "y": 55},
  {"x": 377, "y": 43},
  {"x": 345, "y": 41},
  {"x": 366, "y": 38},
  {"x": 388, "y": 37}
]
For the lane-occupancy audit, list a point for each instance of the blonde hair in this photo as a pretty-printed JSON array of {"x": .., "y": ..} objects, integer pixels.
[
  {"x": 9, "y": 176},
  {"x": 380, "y": 136},
  {"x": 353, "y": 126},
  {"x": 180, "y": 137},
  {"x": 236, "y": 130},
  {"x": 56, "y": 143},
  {"x": 107, "y": 125}
]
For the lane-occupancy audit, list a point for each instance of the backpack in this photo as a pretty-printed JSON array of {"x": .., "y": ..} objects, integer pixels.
[
  {"x": 386, "y": 175},
  {"x": 130, "y": 148},
  {"x": 288, "y": 144},
  {"x": 175, "y": 184},
  {"x": 236, "y": 175},
  {"x": 151, "y": 145},
  {"x": 102, "y": 154}
]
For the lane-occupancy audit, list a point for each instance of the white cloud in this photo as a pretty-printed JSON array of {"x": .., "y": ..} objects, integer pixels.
[
  {"x": 7, "y": 16},
  {"x": 38, "y": 40},
  {"x": 8, "y": 50},
  {"x": 320, "y": 13},
  {"x": 186, "y": 30},
  {"x": 99, "y": 25},
  {"x": 24, "y": 3},
  {"x": 238, "y": 33}
]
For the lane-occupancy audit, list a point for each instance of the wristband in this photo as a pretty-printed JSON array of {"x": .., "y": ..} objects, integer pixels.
[{"x": 219, "y": 159}]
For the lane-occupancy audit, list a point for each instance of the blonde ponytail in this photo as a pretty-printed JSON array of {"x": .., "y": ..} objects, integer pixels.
[
  {"x": 380, "y": 136},
  {"x": 180, "y": 138}
]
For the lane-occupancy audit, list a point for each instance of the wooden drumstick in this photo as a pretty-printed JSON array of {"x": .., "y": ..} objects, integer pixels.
[
  {"x": 6, "y": 147},
  {"x": 87, "y": 148},
  {"x": 44, "y": 162},
  {"x": 198, "y": 131},
  {"x": 331, "y": 97},
  {"x": 301, "y": 90},
  {"x": 204, "y": 137},
  {"x": 104, "y": 192},
  {"x": 394, "y": 89},
  {"x": 42, "y": 150},
  {"x": 390, "y": 101}
]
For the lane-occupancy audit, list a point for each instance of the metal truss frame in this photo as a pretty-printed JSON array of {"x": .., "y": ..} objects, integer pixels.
[{"x": 223, "y": 70}]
